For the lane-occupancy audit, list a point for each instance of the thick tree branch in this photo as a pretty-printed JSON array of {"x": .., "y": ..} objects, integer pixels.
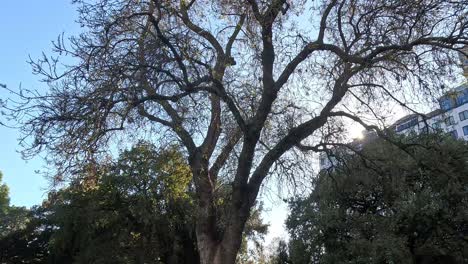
[
  {"x": 233, "y": 37},
  {"x": 297, "y": 134},
  {"x": 200, "y": 31},
  {"x": 323, "y": 21},
  {"x": 178, "y": 127},
  {"x": 225, "y": 153},
  {"x": 214, "y": 128}
]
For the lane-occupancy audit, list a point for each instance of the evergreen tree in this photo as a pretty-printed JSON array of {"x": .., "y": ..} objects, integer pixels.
[{"x": 387, "y": 205}]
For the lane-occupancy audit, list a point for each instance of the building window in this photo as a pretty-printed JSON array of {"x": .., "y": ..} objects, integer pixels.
[
  {"x": 446, "y": 103},
  {"x": 465, "y": 130},
  {"x": 463, "y": 115},
  {"x": 461, "y": 99},
  {"x": 453, "y": 134},
  {"x": 436, "y": 126},
  {"x": 411, "y": 123},
  {"x": 322, "y": 161},
  {"x": 450, "y": 121}
]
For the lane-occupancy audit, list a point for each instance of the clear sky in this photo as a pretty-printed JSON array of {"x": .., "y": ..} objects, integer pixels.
[{"x": 27, "y": 28}]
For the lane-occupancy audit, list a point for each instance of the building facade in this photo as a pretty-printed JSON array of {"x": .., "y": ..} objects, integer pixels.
[{"x": 451, "y": 117}]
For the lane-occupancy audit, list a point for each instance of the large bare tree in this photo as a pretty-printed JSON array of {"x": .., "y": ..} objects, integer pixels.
[{"x": 245, "y": 86}]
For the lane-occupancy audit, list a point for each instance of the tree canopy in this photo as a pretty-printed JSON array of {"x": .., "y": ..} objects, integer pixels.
[
  {"x": 13, "y": 221},
  {"x": 11, "y": 217},
  {"x": 393, "y": 206},
  {"x": 137, "y": 209},
  {"x": 244, "y": 86},
  {"x": 4, "y": 195}
]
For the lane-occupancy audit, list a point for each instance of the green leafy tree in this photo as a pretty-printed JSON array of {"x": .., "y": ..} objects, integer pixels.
[
  {"x": 19, "y": 239},
  {"x": 281, "y": 255},
  {"x": 135, "y": 210},
  {"x": 30, "y": 243},
  {"x": 138, "y": 209},
  {"x": 4, "y": 196},
  {"x": 12, "y": 218},
  {"x": 387, "y": 205}
]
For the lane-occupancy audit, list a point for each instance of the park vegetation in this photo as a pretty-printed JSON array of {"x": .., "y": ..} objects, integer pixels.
[
  {"x": 246, "y": 90},
  {"x": 387, "y": 205}
]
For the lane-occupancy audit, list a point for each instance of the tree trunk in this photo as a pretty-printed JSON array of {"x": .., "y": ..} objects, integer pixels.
[
  {"x": 217, "y": 247},
  {"x": 214, "y": 249},
  {"x": 222, "y": 252}
]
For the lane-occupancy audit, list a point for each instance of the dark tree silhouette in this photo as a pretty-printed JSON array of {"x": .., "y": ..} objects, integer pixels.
[
  {"x": 245, "y": 86},
  {"x": 386, "y": 205}
]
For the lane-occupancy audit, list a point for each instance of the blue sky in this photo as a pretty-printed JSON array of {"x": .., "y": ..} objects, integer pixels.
[{"x": 27, "y": 28}]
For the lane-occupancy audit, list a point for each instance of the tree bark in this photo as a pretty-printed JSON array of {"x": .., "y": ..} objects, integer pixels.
[
  {"x": 224, "y": 251},
  {"x": 217, "y": 247}
]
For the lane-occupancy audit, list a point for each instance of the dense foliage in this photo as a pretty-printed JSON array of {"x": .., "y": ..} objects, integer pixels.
[
  {"x": 28, "y": 243},
  {"x": 138, "y": 209},
  {"x": 134, "y": 211},
  {"x": 387, "y": 205},
  {"x": 15, "y": 230}
]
